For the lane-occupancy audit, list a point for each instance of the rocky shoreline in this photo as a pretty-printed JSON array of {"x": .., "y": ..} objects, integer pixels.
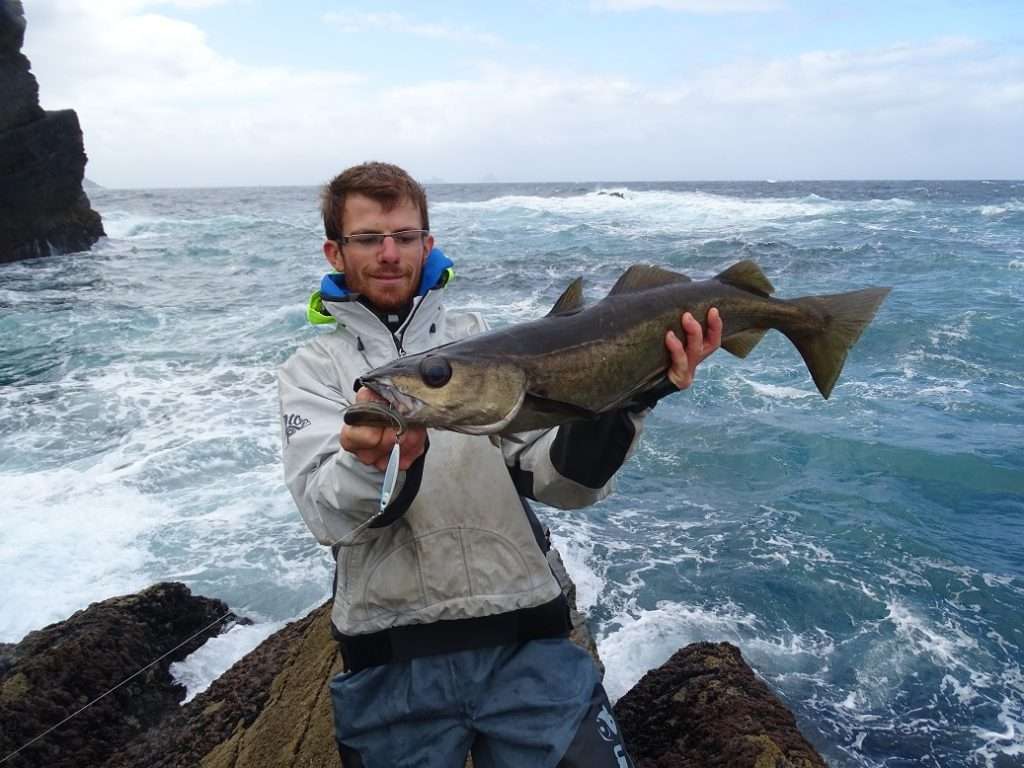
[
  {"x": 703, "y": 707},
  {"x": 43, "y": 207}
]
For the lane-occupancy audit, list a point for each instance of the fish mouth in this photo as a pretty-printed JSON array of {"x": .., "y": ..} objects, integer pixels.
[
  {"x": 406, "y": 405},
  {"x": 409, "y": 408}
]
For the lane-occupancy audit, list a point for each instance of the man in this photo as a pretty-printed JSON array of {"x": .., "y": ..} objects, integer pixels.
[{"x": 452, "y": 627}]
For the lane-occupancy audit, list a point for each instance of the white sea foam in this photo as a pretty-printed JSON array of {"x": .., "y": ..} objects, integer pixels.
[
  {"x": 778, "y": 392},
  {"x": 1000, "y": 209},
  {"x": 71, "y": 537},
  {"x": 576, "y": 547},
  {"x": 645, "y": 213},
  {"x": 121, "y": 225},
  {"x": 639, "y": 640},
  {"x": 1008, "y": 742},
  {"x": 965, "y": 694},
  {"x": 785, "y": 649},
  {"x": 957, "y": 331},
  {"x": 204, "y": 665},
  {"x": 945, "y": 645}
]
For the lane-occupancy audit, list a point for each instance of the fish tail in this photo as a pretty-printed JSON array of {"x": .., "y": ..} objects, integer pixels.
[{"x": 841, "y": 318}]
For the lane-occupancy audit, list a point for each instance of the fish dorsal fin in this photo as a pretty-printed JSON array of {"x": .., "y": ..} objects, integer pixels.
[
  {"x": 748, "y": 276},
  {"x": 571, "y": 298},
  {"x": 642, "y": 276}
]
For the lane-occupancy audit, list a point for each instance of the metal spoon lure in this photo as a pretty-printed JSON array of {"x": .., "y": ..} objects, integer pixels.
[{"x": 378, "y": 414}]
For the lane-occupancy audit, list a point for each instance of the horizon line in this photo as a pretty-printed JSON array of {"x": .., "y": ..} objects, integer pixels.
[{"x": 93, "y": 185}]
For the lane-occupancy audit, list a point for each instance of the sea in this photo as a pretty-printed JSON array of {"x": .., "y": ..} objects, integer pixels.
[{"x": 866, "y": 552}]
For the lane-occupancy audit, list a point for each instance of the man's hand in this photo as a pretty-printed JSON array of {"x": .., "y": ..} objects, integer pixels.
[
  {"x": 372, "y": 445},
  {"x": 685, "y": 359}
]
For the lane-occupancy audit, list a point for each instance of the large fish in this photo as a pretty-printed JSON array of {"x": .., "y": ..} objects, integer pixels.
[{"x": 579, "y": 361}]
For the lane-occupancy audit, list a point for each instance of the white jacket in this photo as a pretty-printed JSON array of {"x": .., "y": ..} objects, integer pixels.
[{"x": 467, "y": 546}]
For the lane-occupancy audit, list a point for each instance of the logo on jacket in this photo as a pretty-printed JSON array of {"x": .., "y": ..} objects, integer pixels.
[{"x": 292, "y": 424}]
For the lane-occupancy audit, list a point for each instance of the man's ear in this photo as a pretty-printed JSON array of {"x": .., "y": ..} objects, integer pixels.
[
  {"x": 428, "y": 247},
  {"x": 333, "y": 254}
]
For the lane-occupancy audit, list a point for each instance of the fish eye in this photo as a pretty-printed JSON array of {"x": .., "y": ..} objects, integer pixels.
[{"x": 435, "y": 371}]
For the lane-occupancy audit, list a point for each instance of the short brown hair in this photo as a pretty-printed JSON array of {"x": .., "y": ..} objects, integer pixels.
[{"x": 388, "y": 184}]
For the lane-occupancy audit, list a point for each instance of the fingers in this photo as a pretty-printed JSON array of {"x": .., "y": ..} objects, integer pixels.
[
  {"x": 372, "y": 445},
  {"x": 694, "y": 339},
  {"x": 714, "y": 339},
  {"x": 679, "y": 369},
  {"x": 686, "y": 357},
  {"x": 367, "y": 395},
  {"x": 366, "y": 437}
]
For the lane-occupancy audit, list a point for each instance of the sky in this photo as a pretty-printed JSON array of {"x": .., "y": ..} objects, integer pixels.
[{"x": 190, "y": 93}]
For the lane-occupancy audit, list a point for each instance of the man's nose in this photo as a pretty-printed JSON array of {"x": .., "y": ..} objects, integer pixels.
[{"x": 388, "y": 250}]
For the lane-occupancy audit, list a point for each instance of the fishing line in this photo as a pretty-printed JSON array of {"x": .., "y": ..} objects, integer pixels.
[{"x": 103, "y": 695}]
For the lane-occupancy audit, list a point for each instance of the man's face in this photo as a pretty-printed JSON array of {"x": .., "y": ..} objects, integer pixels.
[{"x": 387, "y": 275}]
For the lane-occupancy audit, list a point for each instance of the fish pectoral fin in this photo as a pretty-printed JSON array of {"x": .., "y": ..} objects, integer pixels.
[
  {"x": 642, "y": 276},
  {"x": 629, "y": 397},
  {"x": 570, "y": 300},
  {"x": 748, "y": 276},
  {"x": 741, "y": 344},
  {"x": 546, "y": 405}
]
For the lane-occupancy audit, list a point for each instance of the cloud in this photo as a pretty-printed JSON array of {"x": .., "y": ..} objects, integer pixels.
[
  {"x": 161, "y": 107},
  {"x": 699, "y": 7},
  {"x": 358, "y": 21}
]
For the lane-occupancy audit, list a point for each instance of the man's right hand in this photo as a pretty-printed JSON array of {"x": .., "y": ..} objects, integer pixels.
[{"x": 372, "y": 445}]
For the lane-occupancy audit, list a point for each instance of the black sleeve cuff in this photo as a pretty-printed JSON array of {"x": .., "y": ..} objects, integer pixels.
[{"x": 590, "y": 452}]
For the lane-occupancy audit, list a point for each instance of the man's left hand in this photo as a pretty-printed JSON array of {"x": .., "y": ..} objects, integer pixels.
[{"x": 686, "y": 358}]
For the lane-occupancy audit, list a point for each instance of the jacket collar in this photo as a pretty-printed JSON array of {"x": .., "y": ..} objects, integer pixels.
[{"x": 324, "y": 304}]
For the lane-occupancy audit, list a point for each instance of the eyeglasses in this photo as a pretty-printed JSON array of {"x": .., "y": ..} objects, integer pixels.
[{"x": 371, "y": 242}]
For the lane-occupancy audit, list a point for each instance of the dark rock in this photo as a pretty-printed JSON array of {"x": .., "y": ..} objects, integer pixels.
[
  {"x": 705, "y": 708},
  {"x": 55, "y": 671},
  {"x": 272, "y": 708},
  {"x": 43, "y": 208}
]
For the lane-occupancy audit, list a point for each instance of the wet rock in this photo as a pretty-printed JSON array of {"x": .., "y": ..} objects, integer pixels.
[
  {"x": 43, "y": 208},
  {"x": 271, "y": 708},
  {"x": 705, "y": 708},
  {"x": 56, "y": 671}
]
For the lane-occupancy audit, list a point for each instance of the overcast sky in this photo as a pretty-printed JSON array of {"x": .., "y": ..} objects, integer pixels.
[{"x": 262, "y": 92}]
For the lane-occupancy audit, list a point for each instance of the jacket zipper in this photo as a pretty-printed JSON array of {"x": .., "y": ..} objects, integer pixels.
[{"x": 408, "y": 322}]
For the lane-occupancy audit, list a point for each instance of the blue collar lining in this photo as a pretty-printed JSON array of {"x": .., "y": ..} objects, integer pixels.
[{"x": 333, "y": 288}]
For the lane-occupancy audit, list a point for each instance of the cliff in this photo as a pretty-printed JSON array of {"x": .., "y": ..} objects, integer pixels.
[
  {"x": 704, "y": 707},
  {"x": 43, "y": 208}
]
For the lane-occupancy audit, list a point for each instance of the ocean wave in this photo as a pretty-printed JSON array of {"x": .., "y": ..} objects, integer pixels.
[
  {"x": 199, "y": 669},
  {"x": 998, "y": 209},
  {"x": 652, "y": 208},
  {"x": 637, "y": 640},
  {"x": 71, "y": 537}
]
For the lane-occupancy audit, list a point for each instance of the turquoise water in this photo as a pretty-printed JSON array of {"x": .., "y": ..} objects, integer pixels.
[{"x": 864, "y": 552}]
